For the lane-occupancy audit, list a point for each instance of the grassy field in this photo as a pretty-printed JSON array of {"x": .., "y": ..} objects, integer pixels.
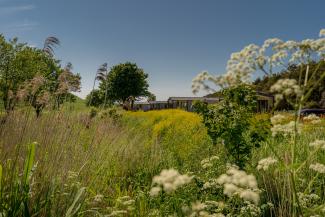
[
  {"x": 111, "y": 157},
  {"x": 98, "y": 164}
]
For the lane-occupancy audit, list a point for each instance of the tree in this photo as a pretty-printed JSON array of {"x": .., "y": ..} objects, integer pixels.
[
  {"x": 32, "y": 75},
  {"x": 19, "y": 63},
  {"x": 102, "y": 76},
  {"x": 125, "y": 82},
  {"x": 36, "y": 92},
  {"x": 8, "y": 77},
  {"x": 151, "y": 97},
  {"x": 95, "y": 98},
  {"x": 66, "y": 83}
]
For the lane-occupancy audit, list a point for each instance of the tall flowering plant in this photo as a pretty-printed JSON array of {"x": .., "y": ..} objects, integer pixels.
[{"x": 275, "y": 55}]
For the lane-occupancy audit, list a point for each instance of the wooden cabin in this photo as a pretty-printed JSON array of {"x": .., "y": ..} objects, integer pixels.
[
  {"x": 186, "y": 103},
  {"x": 158, "y": 105},
  {"x": 265, "y": 103},
  {"x": 144, "y": 106}
]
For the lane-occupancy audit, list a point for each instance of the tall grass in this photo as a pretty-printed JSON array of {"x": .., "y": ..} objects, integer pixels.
[
  {"x": 276, "y": 182},
  {"x": 77, "y": 158}
]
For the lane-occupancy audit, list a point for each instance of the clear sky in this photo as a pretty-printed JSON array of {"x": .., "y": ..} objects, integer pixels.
[{"x": 172, "y": 40}]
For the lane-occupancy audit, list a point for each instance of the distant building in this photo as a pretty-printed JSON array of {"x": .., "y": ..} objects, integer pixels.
[
  {"x": 158, "y": 105},
  {"x": 265, "y": 103},
  {"x": 144, "y": 106},
  {"x": 186, "y": 103}
]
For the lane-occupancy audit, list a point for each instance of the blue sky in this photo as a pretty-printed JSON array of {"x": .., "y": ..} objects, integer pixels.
[{"x": 172, "y": 40}]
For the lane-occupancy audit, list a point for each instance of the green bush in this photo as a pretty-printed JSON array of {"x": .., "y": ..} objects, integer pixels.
[{"x": 229, "y": 122}]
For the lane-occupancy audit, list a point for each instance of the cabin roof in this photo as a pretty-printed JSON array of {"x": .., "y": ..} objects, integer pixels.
[
  {"x": 158, "y": 102},
  {"x": 192, "y": 98},
  {"x": 261, "y": 93},
  {"x": 141, "y": 103}
]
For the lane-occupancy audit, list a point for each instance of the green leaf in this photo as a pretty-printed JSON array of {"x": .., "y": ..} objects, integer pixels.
[
  {"x": 29, "y": 163},
  {"x": 72, "y": 210},
  {"x": 0, "y": 181}
]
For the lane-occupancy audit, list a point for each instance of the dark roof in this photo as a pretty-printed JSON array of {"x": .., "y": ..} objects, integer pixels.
[
  {"x": 192, "y": 98},
  {"x": 158, "y": 102},
  {"x": 261, "y": 93},
  {"x": 141, "y": 103}
]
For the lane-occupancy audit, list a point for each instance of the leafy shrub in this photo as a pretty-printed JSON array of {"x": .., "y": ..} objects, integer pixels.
[
  {"x": 93, "y": 112},
  {"x": 229, "y": 122},
  {"x": 94, "y": 98},
  {"x": 112, "y": 113}
]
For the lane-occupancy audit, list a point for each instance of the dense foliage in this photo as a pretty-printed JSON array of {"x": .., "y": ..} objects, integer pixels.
[
  {"x": 32, "y": 76},
  {"x": 123, "y": 83},
  {"x": 317, "y": 96},
  {"x": 230, "y": 122}
]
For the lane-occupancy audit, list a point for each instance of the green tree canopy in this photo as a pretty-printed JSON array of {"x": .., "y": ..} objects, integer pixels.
[
  {"x": 33, "y": 75},
  {"x": 126, "y": 80}
]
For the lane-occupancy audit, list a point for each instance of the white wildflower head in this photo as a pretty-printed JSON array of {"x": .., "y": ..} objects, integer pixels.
[
  {"x": 307, "y": 200},
  {"x": 265, "y": 163},
  {"x": 318, "y": 144},
  {"x": 285, "y": 129},
  {"x": 198, "y": 206},
  {"x": 277, "y": 119},
  {"x": 318, "y": 167},
  {"x": 98, "y": 198},
  {"x": 273, "y": 53},
  {"x": 286, "y": 87},
  {"x": 169, "y": 181},
  {"x": 322, "y": 33},
  {"x": 208, "y": 162},
  {"x": 212, "y": 183},
  {"x": 118, "y": 213},
  {"x": 155, "y": 191},
  {"x": 72, "y": 175},
  {"x": 126, "y": 204},
  {"x": 250, "y": 209},
  {"x": 199, "y": 209},
  {"x": 312, "y": 118},
  {"x": 238, "y": 182}
]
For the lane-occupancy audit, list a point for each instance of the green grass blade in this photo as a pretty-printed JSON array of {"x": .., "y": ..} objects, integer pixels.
[
  {"x": 72, "y": 210},
  {"x": 0, "y": 181},
  {"x": 29, "y": 162}
]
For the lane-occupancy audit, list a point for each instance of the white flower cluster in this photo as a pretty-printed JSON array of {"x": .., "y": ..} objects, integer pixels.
[
  {"x": 272, "y": 54},
  {"x": 169, "y": 181},
  {"x": 307, "y": 200},
  {"x": 322, "y": 33},
  {"x": 199, "y": 81},
  {"x": 285, "y": 129},
  {"x": 318, "y": 167},
  {"x": 312, "y": 118},
  {"x": 238, "y": 182},
  {"x": 198, "y": 209},
  {"x": 72, "y": 175},
  {"x": 278, "y": 119},
  {"x": 98, "y": 198},
  {"x": 118, "y": 213},
  {"x": 208, "y": 162},
  {"x": 250, "y": 210},
  {"x": 285, "y": 87},
  {"x": 126, "y": 201},
  {"x": 124, "y": 206},
  {"x": 212, "y": 183},
  {"x": 265, "y": 163},
  {"x": 318, "y": 144}
]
